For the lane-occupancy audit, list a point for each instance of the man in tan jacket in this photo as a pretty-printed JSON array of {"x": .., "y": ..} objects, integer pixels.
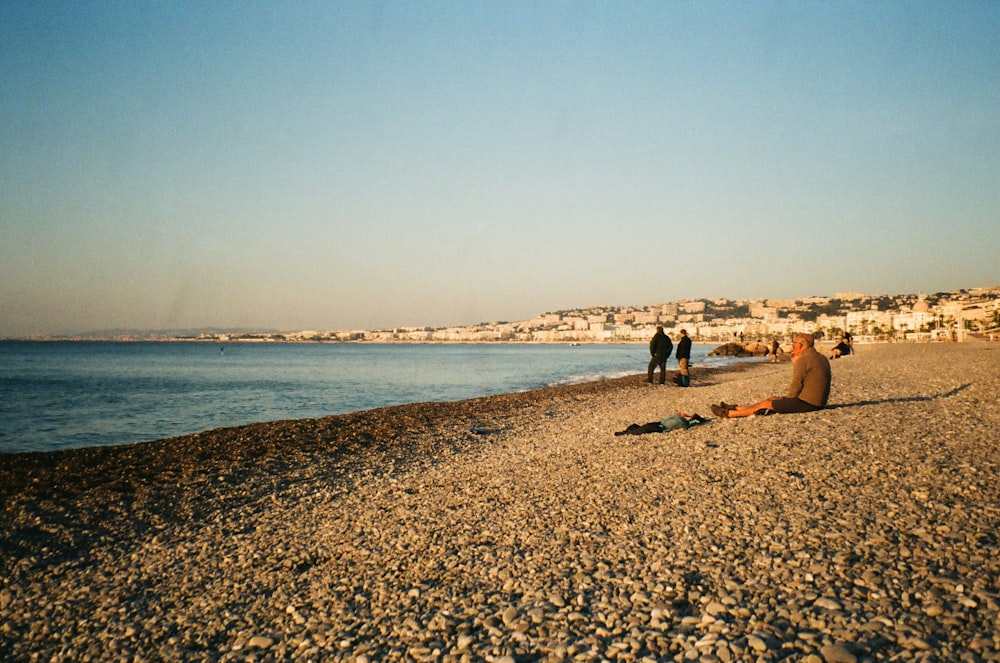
[{"x": 809, "y": 390}]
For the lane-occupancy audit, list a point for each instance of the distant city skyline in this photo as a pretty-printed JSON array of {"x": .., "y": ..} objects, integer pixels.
[
  {"x": 355, "y": 165},
  {"x": 704, "y": 317}
]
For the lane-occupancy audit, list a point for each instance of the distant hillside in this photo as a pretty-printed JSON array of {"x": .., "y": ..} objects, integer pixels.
[{"x": 155, "y": 334}]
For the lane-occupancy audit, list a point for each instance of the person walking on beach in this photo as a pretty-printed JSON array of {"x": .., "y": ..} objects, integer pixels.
[
  {"x": 809, "y": 390},
  {"x": 684, "y": 359},
  {"x": 660, "y": 347},
  {"x": 774, "y": 350}
]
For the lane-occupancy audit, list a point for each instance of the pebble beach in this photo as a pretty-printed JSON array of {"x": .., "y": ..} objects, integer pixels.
[{"x": 519, "y": 528}]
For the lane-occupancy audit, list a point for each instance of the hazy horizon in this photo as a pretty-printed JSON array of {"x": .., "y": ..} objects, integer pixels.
[
  {"x": 363, "y": 166},
  {"x": 257, "y": 329}
]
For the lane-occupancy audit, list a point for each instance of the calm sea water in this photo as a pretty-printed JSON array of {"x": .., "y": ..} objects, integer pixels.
[{"x": 78, "y": 394}]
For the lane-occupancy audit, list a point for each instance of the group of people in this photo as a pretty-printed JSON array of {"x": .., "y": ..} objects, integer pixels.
[
  {"x": 808, "y": 391},
  {"x": 660, "y": 347}
]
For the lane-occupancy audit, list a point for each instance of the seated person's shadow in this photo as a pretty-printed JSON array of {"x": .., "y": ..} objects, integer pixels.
[{"x": 904, "y": 399}]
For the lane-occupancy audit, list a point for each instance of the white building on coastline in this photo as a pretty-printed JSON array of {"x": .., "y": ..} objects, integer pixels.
[{"x": 912, "y": 317}]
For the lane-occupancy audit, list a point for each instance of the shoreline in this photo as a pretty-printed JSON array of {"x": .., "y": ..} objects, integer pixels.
[
  {"x": 864, "y": 530},
  {"x": 121, "y": 393},
  {"x": 17, "y": 469}
]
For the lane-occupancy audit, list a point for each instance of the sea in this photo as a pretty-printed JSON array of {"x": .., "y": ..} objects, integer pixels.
[{"x": 60, "y": 395}]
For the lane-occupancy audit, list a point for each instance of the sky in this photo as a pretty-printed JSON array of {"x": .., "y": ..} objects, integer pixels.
[{"x": 361, "y": 165}]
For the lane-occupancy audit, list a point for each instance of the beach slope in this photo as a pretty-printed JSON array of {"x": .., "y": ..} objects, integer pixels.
[{"x": 519, "y": 528}]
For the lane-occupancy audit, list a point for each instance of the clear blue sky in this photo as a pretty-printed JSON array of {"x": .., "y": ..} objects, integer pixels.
[{"x": 333, "y": 165}]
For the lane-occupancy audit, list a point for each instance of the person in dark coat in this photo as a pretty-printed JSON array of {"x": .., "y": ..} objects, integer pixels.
[
  {"x": 660, "y": 347},
  {"x": 684, "y": 359}
]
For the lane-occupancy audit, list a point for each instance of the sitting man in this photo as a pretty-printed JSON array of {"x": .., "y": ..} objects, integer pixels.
[
  {"x": 842, "y": 349},
  {"x": 808, "y": 392}
]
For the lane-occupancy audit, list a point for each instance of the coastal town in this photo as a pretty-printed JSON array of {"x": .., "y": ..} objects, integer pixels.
[{"x": 869, "y": 318}]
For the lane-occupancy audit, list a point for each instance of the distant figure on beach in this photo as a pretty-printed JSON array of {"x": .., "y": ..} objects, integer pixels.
[
  {"x": 677, "y": 421},
  {"x": 849, "y": 340},
  {"x": 684, "y": 359},
  {"x": 809, "y": 390},
  {"x": 842, "y": 349},
  {"x": 660, "y": 347}
]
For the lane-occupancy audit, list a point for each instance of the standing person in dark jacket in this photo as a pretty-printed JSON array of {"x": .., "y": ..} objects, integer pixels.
[
  {"x": 660, "y": 347},
  {"x": 684, "y": 359}
]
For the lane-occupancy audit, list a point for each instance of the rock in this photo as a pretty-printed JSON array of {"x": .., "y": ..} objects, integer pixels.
[
  {"x": 757, "y": 349},
  {"x": 729, "y": 350},
  {"x": 837, "y": 653},
  {"x": 827, "y": 604},
  {"x": 933, "y": 609},
  {"x": 749, "y": 349},
  {"x": 260, "y": 642},
  {"x": 715, "y": 608}
]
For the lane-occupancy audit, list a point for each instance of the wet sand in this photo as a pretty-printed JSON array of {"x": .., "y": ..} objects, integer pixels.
[{"x": 519, "y": 528}]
